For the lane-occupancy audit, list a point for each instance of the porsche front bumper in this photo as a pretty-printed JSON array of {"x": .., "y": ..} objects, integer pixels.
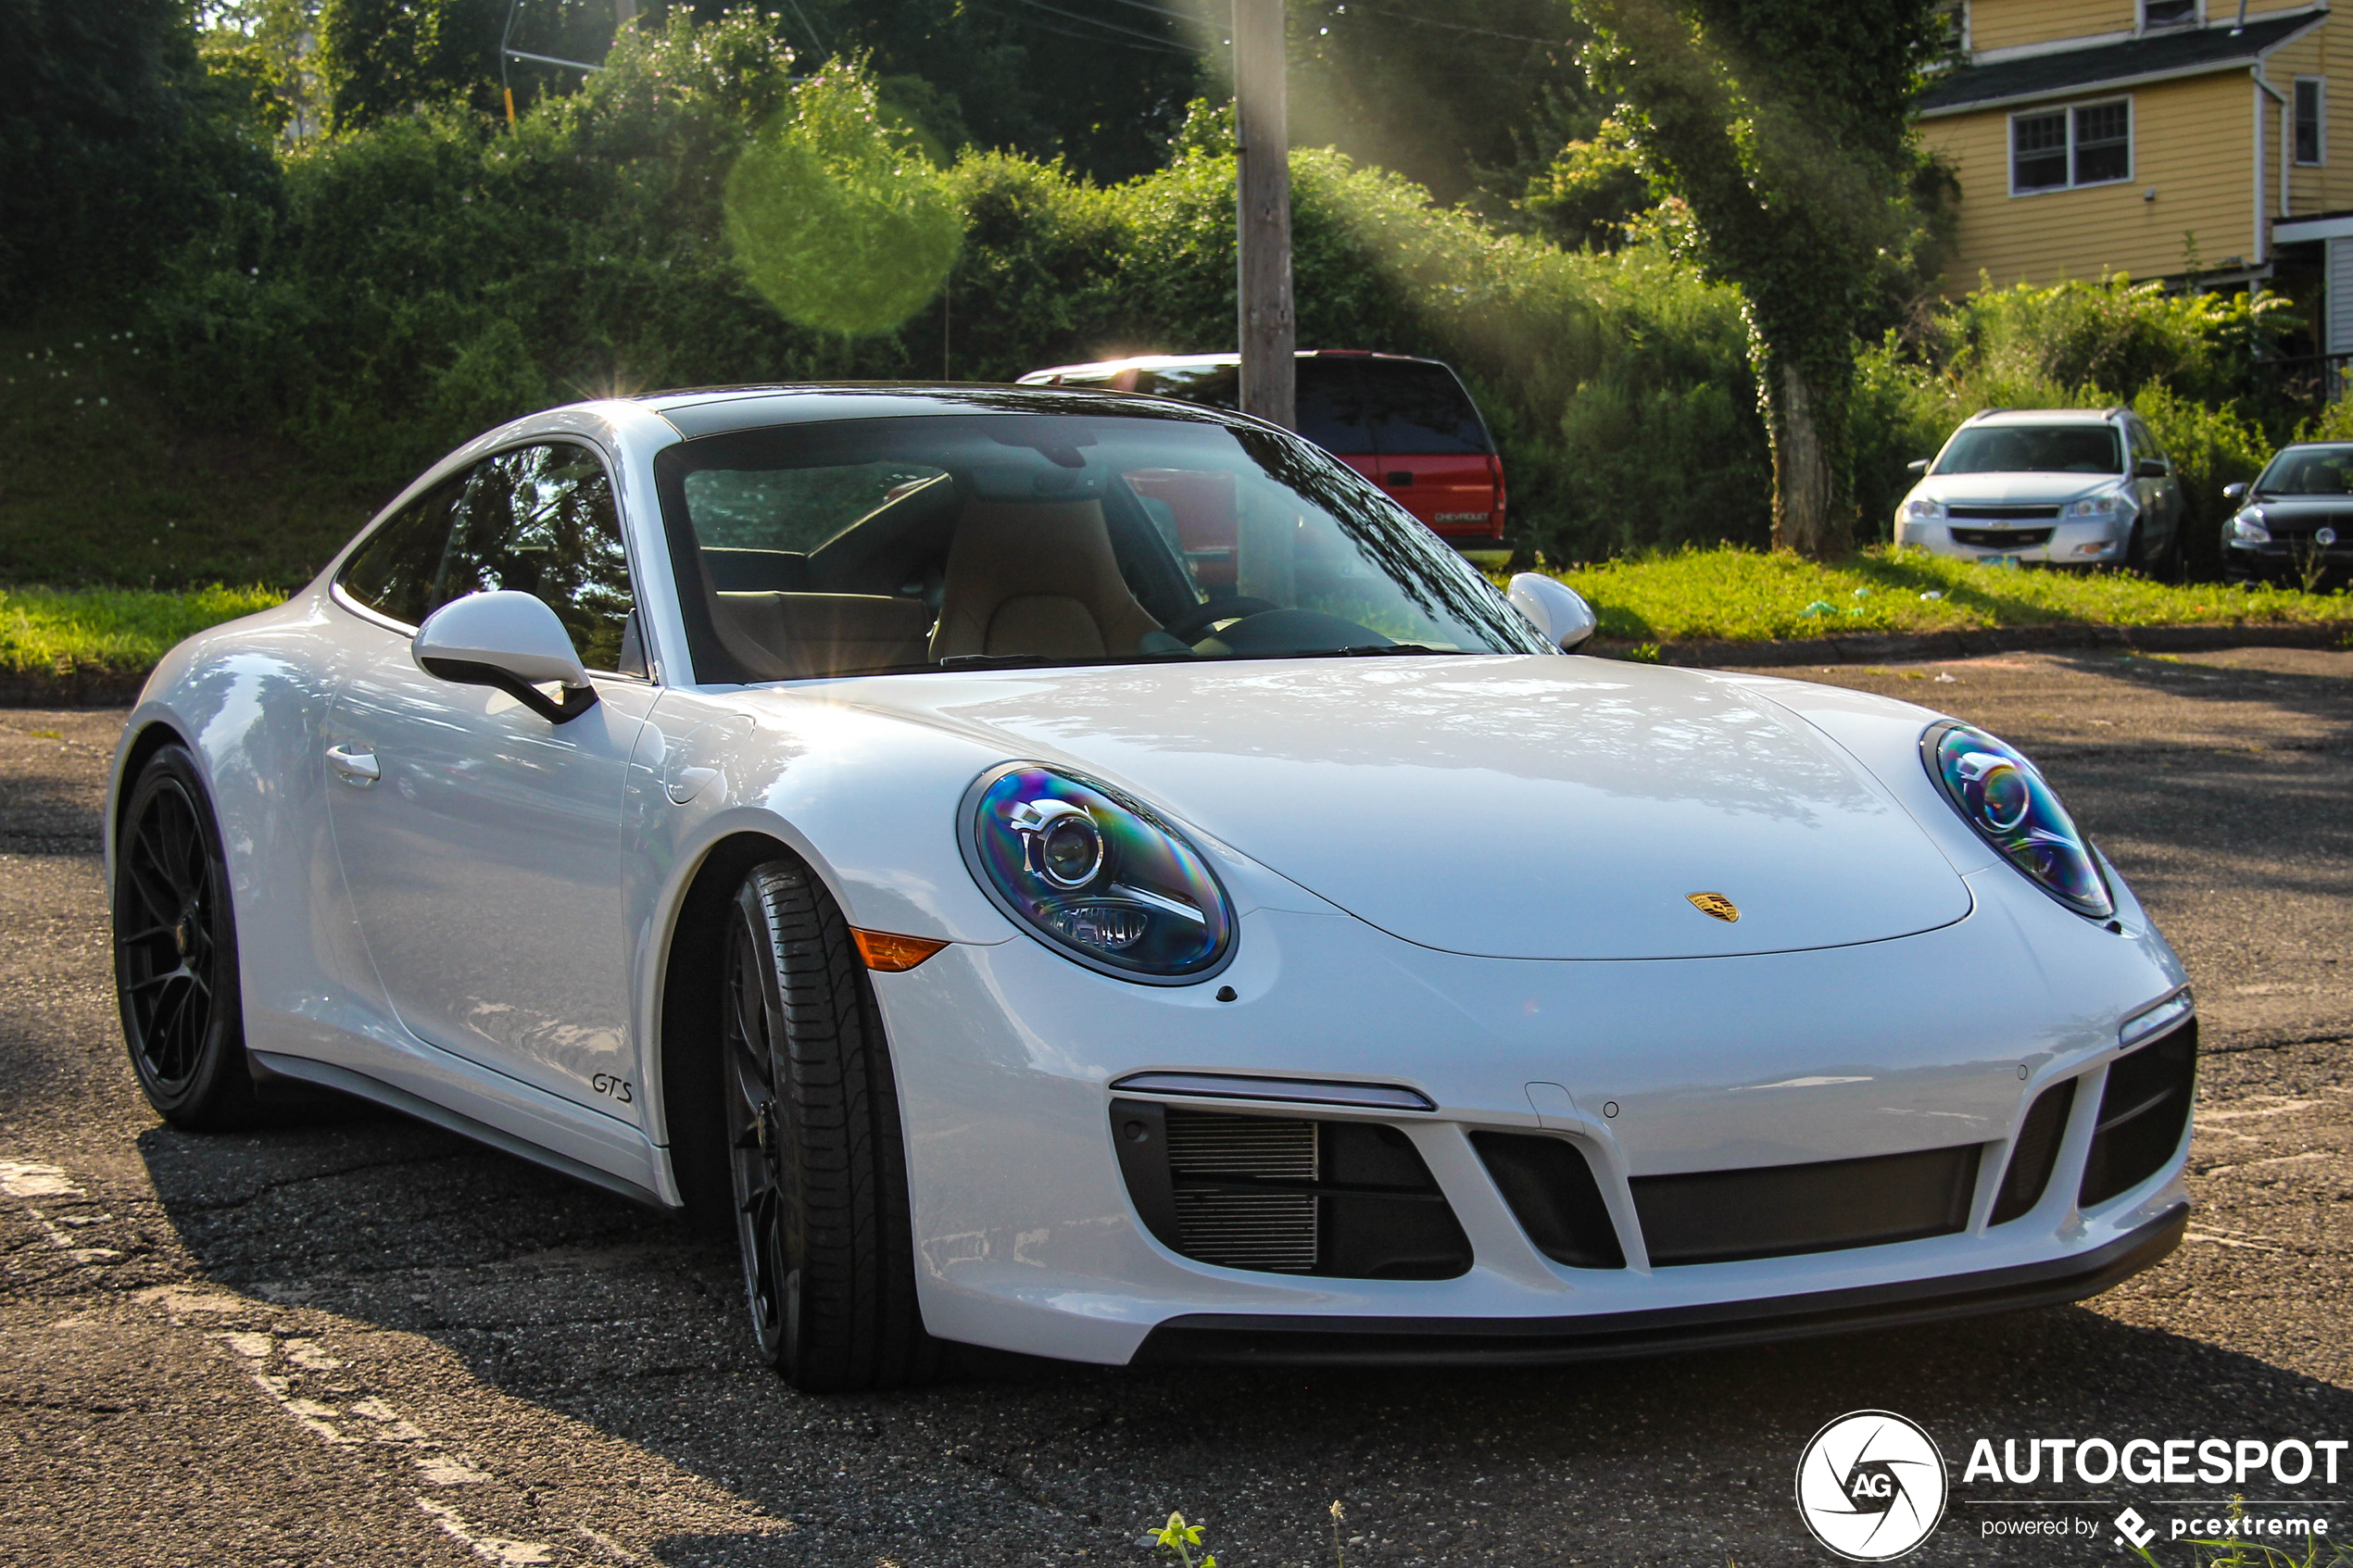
[{"x": 1027, "y": 1238}]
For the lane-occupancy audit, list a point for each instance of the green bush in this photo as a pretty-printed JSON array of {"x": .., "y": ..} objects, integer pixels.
[{"x": 418, "y": 280}]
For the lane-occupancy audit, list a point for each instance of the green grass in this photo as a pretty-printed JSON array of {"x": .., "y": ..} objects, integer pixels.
[
  {"x": 114, "y": 629},
  {"x": 106, "y": 484},
  {"x": 1726, "y": 595}
]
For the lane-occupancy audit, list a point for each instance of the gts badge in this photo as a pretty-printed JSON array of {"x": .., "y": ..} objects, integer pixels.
[{"x": 612, "y": 1088}]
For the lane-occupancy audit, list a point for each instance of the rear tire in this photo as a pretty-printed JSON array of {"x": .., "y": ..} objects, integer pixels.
[
  {"x": 175, "y": 951},
  {"x": 818, "y": 1168}
]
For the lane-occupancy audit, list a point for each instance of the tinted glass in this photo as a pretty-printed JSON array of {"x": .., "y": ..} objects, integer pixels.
[
  {"x": 1332, "y": 406},
  {"x": 539, "y": 520},
  {"x": 1417, "y": 408},
  {"x": 2085, "y": 449},
  {"x": 2309, "y": 470},
  {"x": 398, "y": 572},
  {"x": 947, "y": 541}
]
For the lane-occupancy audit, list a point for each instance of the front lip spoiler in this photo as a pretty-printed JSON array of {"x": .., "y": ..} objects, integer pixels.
[{"x": 1233, "y": 1338}]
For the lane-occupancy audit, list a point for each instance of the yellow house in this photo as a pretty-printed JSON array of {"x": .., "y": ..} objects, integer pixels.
[{"x": 2162, "y": 138}]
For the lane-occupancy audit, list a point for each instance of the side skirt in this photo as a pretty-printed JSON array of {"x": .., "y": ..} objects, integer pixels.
[{"x": 268, "y": 1065}]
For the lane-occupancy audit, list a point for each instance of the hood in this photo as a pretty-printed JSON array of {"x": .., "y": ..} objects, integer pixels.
[
  {"x": 2014, "y": 489},
  {"x": 1513, "y": 807}
]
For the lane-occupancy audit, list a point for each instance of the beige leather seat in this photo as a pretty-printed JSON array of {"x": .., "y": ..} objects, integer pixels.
[{"x": 1035, "y": 577}]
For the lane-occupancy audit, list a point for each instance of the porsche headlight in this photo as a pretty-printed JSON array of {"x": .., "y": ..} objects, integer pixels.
[
  {"x": 1098, "y": 875},
  {"x": 2001, "y": 795}
]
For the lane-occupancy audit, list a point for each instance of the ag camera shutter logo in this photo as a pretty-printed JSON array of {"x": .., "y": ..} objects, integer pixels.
[{"x": 1870, "y": 1486}]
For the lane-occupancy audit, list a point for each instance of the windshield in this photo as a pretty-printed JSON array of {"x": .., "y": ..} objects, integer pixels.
[
  {"x": 2309, "y": 470},
  {"x": 962, "y": 541},
  {"x": 2074, "y": 448}
]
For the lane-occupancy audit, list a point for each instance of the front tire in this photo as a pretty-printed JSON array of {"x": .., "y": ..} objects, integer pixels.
[
  {"x": 819, "y": 1173},
  {"x": 175, "y": 951}
]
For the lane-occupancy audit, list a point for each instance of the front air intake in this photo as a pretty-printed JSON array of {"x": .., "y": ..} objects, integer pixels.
[
  {"x": 1551, "y": 1189},
  {"x": 2143, "y": 1112},
  {"x": 1287, "y": 1195},
  {"x": 2034, "y": 1153},
  {"x": 1780, "y": 1211}
]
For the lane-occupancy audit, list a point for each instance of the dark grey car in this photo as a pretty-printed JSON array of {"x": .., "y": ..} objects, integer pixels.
[{"x": 2296, "y": 522}]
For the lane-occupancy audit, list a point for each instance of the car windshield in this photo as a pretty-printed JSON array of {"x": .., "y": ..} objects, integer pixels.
[
  {"x": 2071, "y": 448},
  {"x": 2309, "y": 470},
  {"x": 967, "y": 541}
]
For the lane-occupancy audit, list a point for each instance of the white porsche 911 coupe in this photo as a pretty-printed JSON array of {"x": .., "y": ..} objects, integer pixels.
[{"x": 1088, "y": 875}]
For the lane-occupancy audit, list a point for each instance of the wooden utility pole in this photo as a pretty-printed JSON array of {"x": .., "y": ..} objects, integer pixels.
[{"x": 1269, "y": 331}]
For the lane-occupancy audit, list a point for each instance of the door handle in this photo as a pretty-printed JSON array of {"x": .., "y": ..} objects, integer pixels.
[{"x": 358, "y": 768}]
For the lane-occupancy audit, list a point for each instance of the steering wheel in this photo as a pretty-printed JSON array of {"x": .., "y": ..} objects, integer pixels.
[{"x": 1230, "y": 606}]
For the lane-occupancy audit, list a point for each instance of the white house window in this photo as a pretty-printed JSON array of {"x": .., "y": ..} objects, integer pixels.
[
  {"x": 2311, "y": 119},
  {"x": 2089, "y": 145},
  {"x": 2155, "y": 14}
]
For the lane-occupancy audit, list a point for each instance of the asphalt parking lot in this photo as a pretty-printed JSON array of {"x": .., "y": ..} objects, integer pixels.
[{"x": 370, "y": 1342}]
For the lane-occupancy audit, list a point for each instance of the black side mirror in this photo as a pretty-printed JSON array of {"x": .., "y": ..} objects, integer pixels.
[
  {"x": 2234, "y": 491},
  {"x": 1918, "y": 465},
  {"x": 2151, "y": 468}
]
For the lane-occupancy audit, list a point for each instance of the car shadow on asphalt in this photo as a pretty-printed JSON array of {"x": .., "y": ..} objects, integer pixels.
[{"x": 569, "y": 1298}]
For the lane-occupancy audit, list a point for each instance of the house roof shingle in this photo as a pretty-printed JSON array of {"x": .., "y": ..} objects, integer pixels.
[{"x": 2172, "y": 54}]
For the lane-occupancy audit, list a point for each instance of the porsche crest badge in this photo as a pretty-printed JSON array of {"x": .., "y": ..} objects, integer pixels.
[{"x": 1714, "y": 904}]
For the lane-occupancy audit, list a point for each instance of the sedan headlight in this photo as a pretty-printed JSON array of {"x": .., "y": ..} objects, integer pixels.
[
  {"x": 2001, "y": 795},
  {"x": 2248, "y": 528},
  {"x": 1922, "y": 510},
  {"x": 2098, "y": 506},
  {"x": 1097, "y": 876}
]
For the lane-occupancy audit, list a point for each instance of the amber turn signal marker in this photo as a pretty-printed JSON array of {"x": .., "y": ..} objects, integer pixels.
[{"x": 890, "y": 954}]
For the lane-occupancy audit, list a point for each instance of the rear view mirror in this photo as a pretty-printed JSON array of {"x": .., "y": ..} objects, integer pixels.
[
  {"x": 1918, "y": 465},
  {"x": 2151, "y": 468},
  {"x": 1554, "y": 609},
  {"x": 2234, "y": 491},
  {"x": 510, "y": 641}
]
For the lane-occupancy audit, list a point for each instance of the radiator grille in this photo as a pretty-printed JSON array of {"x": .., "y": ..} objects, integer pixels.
[
  {"x": 2012, "y": 514},
  {"x": 1274, "y": 1232},
  {"x": 2001, "y": 538}
]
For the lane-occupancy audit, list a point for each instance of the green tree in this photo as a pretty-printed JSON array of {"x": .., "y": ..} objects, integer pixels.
[
  {"x": 116, "y": 143},
  {"x": 1785, "y": 127},
  {"x": 382, "y": 57}
]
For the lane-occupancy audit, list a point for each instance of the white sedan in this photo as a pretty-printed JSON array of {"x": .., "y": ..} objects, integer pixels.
[{"x": 1088, "y": 875}]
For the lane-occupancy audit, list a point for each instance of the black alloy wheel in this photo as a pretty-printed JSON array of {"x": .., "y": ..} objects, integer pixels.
[
  {"x": 814, "y": 1151},
  {"x": 175, "y": 950}
]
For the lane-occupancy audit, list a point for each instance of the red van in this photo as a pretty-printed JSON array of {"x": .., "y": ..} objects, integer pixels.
[{"x": 1405, "y": 423}]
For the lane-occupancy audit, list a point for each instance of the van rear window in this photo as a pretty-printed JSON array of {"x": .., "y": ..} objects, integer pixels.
[
  {"x": 1407, "y": 406},
  {"x": 1357, "y": 407}
]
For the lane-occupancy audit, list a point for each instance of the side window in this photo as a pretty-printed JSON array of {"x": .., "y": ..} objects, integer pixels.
[
  {"x": 397, "y": 573},
  {"x": 540, "y": 519}
]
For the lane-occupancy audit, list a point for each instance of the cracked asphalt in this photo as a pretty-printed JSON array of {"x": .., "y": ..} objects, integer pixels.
[{"x": 366, "y": 1341}]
